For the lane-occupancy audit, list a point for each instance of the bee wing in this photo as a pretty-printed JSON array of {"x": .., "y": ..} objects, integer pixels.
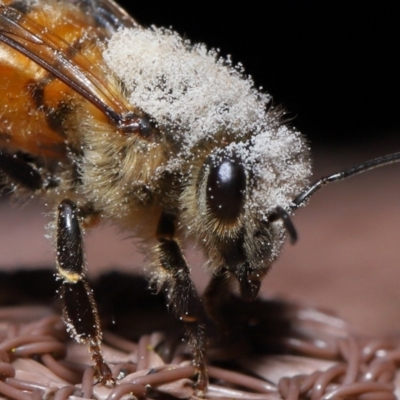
[
  {"x": 64, "y": 61},
  {"x": 108, "y": 14}
]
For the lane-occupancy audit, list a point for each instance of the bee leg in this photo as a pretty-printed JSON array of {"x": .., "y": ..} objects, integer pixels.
[
  {"x": 79, "y": 307},
  {"x": 182, "y": 296},
  {"x": 20, "y": 172},
  {"x": 217, "y": 295}
]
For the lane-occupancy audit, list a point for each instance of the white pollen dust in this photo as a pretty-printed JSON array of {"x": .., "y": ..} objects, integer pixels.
[{"x": 193, "y": 94}]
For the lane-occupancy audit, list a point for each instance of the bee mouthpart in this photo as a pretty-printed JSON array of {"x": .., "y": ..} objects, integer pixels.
[{"x": 249, "y": 285}]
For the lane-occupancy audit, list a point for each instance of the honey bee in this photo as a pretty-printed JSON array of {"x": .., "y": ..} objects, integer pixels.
[{"x": 104, "y": 119}]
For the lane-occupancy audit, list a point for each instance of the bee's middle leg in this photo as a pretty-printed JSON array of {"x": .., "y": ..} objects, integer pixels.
[
  {"x": 79, "y": 307},
  {"x": 182, "y": 296}
]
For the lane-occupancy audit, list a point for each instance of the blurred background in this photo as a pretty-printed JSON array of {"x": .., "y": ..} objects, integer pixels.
[{"x": 334, "y": 67}]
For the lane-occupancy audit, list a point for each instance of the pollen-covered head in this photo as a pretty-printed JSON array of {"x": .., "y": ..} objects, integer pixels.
[
  {"x": 231, "y": 194},
  {"x": 223, "y": 188}
]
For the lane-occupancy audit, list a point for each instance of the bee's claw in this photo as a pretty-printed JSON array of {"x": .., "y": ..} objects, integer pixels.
[
  {"x": 201, "y": 384},
  {"x": 103, "y": 373}
]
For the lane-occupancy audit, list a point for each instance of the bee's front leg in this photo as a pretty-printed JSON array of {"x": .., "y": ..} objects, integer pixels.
[
  {"x": 215, "y": 297},
  {"x": 79, "y": 307},
  {"x": 182, "y": 296}
]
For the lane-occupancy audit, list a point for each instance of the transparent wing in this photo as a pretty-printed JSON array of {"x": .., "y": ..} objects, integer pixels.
[
  {"x": 62, "y": 59},
  {"x": 107, "y": 14}
]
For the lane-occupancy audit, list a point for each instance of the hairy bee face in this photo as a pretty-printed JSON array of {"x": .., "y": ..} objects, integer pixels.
[
  {"x": 105, "y": 119},
  {"x": 237, "y": 241}
]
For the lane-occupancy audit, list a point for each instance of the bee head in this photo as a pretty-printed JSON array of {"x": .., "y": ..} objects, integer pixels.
[{"x": 219, "y": 212}]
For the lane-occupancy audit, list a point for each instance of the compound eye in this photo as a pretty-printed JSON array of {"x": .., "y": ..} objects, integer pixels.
[{"x": 226, "y": 185}]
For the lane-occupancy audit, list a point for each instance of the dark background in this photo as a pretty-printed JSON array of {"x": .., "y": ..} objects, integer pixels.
[{"x": 333, "y": 65}]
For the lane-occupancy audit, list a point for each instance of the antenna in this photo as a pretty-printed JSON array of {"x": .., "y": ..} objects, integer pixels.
[
  {"x": 358, "y": 169},
  {"x": 301, "y": 199}
]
